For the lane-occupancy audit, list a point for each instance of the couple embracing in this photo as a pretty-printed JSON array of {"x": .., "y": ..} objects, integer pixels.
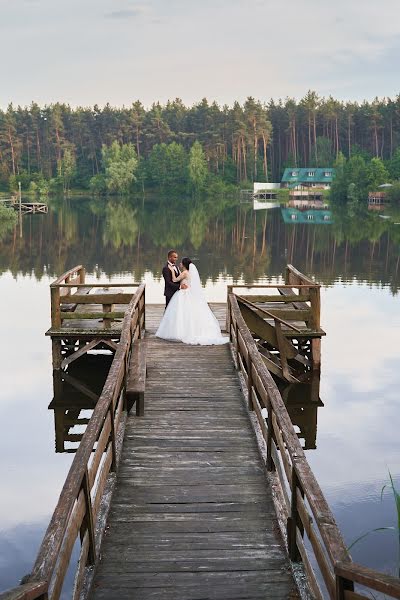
[{"x": 187, "y": 316}]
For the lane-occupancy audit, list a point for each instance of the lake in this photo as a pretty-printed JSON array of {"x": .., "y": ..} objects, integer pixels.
[{"x": 355, "y": 257}]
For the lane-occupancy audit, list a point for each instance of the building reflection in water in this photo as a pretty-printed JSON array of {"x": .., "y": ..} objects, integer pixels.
[
  {"x": 302, "y": 402},
  {"x": 75, "y": 395}
]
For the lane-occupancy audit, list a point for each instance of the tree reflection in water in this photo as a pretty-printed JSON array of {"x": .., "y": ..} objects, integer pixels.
[{"x": 228, "y": 239}]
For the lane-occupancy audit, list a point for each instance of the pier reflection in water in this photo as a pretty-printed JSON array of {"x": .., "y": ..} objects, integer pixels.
[
  {"x": 75, "y": 395},
  {"x": 302, "y": 402}
]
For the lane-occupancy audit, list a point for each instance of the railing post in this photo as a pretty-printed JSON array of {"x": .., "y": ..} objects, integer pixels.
[
  {"x": 55, "y": 307},
  {"x": 315, "y": 299},
  {"x": 228, "y": 310},
  {"x": 139, "y": 316},
  {"x": 341, "y": 586},
  {"x": 82, "y": 275},
  {"x": 293, "y": 519},
  {"x": 270, "y": 437},
  {"x": 113, "y": 466},
  {"x": 144, "y": 309},
  {"x": 237, "y": 345},
  {"x": 250, "y": 381},
  {"x": 89, "y": 519}
]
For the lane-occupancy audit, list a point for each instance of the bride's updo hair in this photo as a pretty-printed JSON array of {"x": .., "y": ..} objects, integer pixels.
[{"x": 186, "y": 262}]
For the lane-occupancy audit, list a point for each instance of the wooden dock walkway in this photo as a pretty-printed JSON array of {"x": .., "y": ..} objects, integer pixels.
[{"x": 191, "y": 515}]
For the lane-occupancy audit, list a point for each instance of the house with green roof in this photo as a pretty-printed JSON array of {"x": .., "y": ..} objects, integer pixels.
[{"x": 308, "y": 177}]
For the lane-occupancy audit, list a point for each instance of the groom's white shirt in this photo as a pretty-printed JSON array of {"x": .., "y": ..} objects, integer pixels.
[{"x": 175, "y": 268}]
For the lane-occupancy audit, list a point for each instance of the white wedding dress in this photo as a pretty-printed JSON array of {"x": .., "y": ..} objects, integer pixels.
[{"x": 188, "y": 318}]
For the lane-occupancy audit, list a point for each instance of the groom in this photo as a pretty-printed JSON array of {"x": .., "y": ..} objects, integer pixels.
[{"x": 170, "y": 286}]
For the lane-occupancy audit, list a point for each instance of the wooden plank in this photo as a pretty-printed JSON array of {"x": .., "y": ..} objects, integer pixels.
[
  {"x": 94, "y": 315},
  {"x": 298, "y": 303},
  {"x": 267, "y": 313},
  {"x": 26, "y": 591},
  {"x": 380, "y": 582},
  {"x": 99, "y": 285},
  {"x": 113, "y": 298},
  {"x": 281, "y": 299}
]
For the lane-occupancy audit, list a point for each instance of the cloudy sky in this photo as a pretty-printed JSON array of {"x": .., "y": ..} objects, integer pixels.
[{"x": 96, "y": 51}]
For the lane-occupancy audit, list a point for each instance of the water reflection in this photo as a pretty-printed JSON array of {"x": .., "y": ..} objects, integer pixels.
[
  {"x": 302, "y": 402},
  {"x": 132, "y": 235},
  {"x": 75, "y": 395}
]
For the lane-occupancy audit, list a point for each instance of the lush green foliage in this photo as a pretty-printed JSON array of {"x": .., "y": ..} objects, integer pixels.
[
  {"x": 356, "y": 177},
  {"x": 120, "y": 164},
  {"x": 393, "y": 194},
  {"x": 8, "y": 218},
  {"x": 243, "y": 143},
  {"x": 197, "y": 167}
]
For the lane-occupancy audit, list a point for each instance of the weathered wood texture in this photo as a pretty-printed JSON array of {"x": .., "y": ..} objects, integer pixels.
[
  {"x": 84, "y": 310},
  {"x": 191, "y": 516},
  {"x": 90, "y": 476},
  {"x": 303, "y": 504}
]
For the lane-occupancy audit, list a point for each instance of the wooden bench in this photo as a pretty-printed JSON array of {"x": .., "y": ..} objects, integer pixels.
[
  {"x": 72, "y": 306},
  {"x": 136, "y": 379}
]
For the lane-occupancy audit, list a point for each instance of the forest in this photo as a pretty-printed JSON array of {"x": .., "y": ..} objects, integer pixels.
[{"x": 106, "y": 149}]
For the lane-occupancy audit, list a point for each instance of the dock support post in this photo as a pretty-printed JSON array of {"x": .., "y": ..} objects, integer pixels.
[
  {"x": 56, "y": 353},
  {"x": 55, "y": 307},
  {"x": 316, "y": 354}
]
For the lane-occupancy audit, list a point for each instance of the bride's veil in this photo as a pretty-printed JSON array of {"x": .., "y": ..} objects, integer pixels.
[{"x": 195, "y": 283}]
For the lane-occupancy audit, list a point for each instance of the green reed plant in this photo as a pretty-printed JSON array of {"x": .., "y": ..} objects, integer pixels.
[{"x": 396, "y": 529}]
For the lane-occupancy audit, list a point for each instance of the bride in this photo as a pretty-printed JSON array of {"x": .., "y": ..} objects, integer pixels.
[{"x": 188, "y": 317}]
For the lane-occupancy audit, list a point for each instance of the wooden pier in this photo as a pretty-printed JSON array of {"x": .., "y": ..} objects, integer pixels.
[
  {"x": 284, "y": 319},
  {"x": 191, "y": 515},
  {"x": 25, "y": 206},
  {"x": 182, "y": 500},
  {"x": 87, "y": 316}
]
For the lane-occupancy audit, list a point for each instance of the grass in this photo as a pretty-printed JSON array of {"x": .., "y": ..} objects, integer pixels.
[{"x": 396, "y": 529}]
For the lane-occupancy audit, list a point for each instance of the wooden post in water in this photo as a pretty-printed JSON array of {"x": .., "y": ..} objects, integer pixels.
[
  {"x": 56, "y": 324},
  {"x": 20, "y": 209},
  {"x": 315, "y": 297}
]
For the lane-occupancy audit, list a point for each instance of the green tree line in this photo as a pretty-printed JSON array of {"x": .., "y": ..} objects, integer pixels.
[{"x": 241, "y": 143}]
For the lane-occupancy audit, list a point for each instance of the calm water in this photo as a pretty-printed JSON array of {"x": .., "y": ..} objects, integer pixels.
[{"x": 356, "y": 258}]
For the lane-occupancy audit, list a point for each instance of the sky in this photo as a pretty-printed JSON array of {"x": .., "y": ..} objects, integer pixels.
[{"x": 86, "y": 52}]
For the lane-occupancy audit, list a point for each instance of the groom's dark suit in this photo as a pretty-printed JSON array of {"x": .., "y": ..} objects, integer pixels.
[{"x": 170, "y": 286}]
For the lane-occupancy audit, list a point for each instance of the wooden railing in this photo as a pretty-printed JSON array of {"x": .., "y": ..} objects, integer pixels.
[
  {"x": 70, "y": 289},
  {"x": 301, "y": 295},
  {"x": 298, "y": 289},
  {"x": 82, "y": 505},
  {"x": 302, "y": 503}
]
